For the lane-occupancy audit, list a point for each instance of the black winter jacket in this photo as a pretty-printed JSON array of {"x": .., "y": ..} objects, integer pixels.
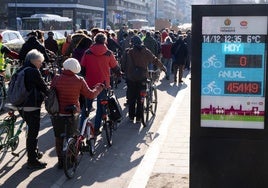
[
  {"x": 180, "y": 52},
  {"x": 32, "y": 43}
]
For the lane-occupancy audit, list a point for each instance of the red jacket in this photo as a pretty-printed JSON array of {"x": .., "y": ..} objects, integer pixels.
[
  {"x": 98, "y": 61},
  {"x": 69, "y": 87},
  {"x": 166, "y": 50}
]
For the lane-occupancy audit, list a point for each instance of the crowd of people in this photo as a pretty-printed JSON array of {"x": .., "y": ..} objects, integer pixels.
[{"x": 90, "y": 57}]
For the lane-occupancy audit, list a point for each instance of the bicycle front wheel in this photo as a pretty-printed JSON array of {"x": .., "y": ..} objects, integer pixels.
[
  {"x": 108, "y": 126},
  {"x": 3, "y": 141},
  {"x": 70, "y": 159}
]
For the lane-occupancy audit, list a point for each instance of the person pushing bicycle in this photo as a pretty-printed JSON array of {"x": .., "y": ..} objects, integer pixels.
[
  {"x": 137, "y": 56},
  {"x": 69, "y": 86}
]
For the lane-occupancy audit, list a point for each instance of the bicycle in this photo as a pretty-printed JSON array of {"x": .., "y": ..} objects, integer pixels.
[
  {"x": 212, "y": 62},
  {"x": 50, "y": 70},
  {"x": 149, "y": 96},
  {"x": 74, "y": 145},
  {"x": 9, "y": 135},
  {"x": 110, "y": 116}
]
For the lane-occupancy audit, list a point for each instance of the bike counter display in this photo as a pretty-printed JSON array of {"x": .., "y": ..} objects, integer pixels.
[{"x": 233, "y": 71}]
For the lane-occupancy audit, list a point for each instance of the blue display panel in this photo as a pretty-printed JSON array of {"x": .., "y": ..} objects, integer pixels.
[
  {"x": 236, "y": 63},
  {"x": 233, "y": 72}
]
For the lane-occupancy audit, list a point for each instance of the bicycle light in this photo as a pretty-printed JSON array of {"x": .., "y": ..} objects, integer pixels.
[{"x": 143, "y": 93}]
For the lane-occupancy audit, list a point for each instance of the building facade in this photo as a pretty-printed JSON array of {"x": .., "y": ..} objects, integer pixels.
[
  {"x": 84, "y": 13},
  {"x": 120, "y": 11},
  {"x": 166, "y": 9},
  {"x": 184, "y": 11},
  {"x": 3, "y": 15}
]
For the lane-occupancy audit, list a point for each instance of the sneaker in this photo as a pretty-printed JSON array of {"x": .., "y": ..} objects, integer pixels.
[{"x": 36, "y": 165}]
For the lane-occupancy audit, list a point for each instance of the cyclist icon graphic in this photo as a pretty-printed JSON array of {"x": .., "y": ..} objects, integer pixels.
[
  {"x": 212, "y": 88},
  {"x": 212, "y": 62}
]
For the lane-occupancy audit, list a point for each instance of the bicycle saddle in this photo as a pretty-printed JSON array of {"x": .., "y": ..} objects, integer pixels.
[
  {"x": 11, "y": 107},
  {"x": 71, "y": 109}
]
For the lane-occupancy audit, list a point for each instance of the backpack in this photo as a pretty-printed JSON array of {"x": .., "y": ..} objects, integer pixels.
[
  {"x": 135, "y": 73},
  {"x": 115, "y": 109},
  {"x": 17, "y": 92},
  {"x": 52, "y": 102}
]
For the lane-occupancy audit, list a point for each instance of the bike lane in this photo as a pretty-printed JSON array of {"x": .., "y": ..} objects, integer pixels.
[{"x": 110, "y": 167}]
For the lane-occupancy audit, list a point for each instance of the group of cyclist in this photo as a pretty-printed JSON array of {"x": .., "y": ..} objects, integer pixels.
[{"x": 89, "y": 61}]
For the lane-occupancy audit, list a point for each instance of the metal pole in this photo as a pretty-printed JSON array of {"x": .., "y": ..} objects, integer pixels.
[
  {"x": 105, "y": 14},
  {"x": 16, "y": 9},
  {"x": 156, "y": 9}
]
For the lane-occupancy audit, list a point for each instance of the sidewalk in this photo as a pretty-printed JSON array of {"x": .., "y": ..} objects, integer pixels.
[{"x": 166, "y": 163}]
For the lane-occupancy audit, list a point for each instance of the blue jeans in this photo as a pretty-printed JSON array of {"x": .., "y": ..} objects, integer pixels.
[
  {"x": 98, "y": 113},
  {"x": 168, "y": 65}
]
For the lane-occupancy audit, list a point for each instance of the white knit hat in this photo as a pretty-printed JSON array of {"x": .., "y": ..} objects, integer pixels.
[{"x": 72, "y": 65}]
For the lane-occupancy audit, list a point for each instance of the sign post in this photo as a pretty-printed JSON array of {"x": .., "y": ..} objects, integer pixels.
[{"x": 229, "y": 136}]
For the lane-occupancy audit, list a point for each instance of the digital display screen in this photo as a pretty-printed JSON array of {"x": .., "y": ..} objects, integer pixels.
[
  {"x": 243, "y": 61},
  {"x": 233, "y": 72}
]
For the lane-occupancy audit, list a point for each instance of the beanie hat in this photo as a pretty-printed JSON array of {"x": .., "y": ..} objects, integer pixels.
[
  {"x": 136, "y": 41},
  {"x": 72, "y": 65}
]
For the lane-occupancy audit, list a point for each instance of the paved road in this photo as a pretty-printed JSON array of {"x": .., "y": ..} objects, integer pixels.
[{"x": 110, "y": 167}]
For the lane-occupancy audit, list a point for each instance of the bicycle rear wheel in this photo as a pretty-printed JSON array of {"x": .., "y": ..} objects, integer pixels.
[
  {"x": 145, "y": 111},
  {"x": 3, "y": 141},
  {"x": 108, "y": 126},
  {"x": 71, "y": 159},
  {"x": 153, "y": 104}
]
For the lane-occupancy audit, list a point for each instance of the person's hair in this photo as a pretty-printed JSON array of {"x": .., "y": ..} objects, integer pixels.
[
  {"x": 100, "y": 38},
  {"x": 34, "y": 55},
  {"x": 40, "y": 34},
  {"x": 84, "y": 43}
]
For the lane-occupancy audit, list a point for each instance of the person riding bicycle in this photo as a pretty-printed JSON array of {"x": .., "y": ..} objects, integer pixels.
[
  {"x": 5, "y": 52},
  {"x": 140, "y": 56},
  {"x": 51, "y": 44},
  {"x": 97, "y": 62},
  {"x": 69, "y": 86},
  {"x": 32, "y": 43}
]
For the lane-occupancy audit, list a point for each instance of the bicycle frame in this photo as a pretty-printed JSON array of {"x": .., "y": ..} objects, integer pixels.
[{"x": 10, "y": 121}]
